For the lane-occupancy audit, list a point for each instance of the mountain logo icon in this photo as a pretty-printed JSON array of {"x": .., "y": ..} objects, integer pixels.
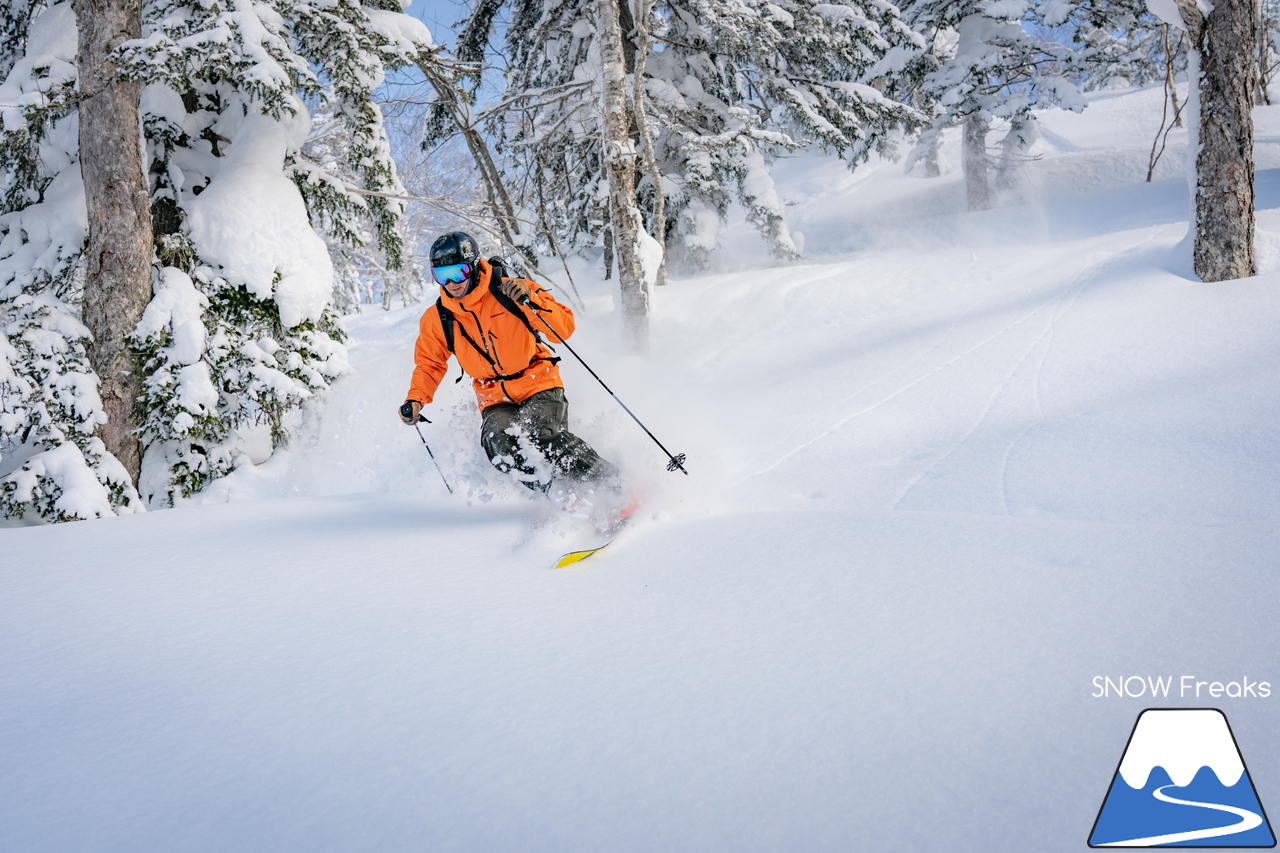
[{"x": 1181, "y": 783}]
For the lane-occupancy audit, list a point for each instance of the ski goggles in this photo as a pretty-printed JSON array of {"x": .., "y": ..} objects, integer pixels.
[{"x": 451, "y": 274}]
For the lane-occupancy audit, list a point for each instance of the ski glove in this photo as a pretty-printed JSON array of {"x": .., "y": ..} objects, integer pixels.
[
  {"x": 409, "y": 411},
  {"x": 517, "y": 290}
]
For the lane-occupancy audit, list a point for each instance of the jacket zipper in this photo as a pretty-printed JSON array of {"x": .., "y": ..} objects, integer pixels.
[{"x": 486, "y": 337}]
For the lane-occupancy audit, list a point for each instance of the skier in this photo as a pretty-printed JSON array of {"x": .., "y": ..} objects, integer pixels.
[{"x": 480, "y": 318}]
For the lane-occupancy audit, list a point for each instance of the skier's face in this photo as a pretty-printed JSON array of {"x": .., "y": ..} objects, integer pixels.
[{"x": 454, "y": 278}]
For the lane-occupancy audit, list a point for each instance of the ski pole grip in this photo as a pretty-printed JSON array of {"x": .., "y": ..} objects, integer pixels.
[{"x": 406, "y": 412}]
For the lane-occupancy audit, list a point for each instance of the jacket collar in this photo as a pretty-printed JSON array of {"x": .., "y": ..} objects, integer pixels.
[{"x": 471, "y": 300}]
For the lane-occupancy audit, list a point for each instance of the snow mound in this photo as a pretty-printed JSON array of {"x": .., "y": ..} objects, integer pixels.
[{"x": 252, "y": 223}]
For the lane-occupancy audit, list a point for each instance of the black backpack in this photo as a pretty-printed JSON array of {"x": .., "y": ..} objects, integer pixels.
[{"x": 496, "y": 278}]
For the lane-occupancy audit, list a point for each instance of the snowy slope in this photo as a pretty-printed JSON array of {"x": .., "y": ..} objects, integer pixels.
[{"x": 944, "y": 474}]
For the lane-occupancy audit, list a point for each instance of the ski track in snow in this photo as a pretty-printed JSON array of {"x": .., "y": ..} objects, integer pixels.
[
  {"x": 1031, "y": 358},
  {"x": 838, "y": 416},
  {"x": 1062, "y": 305}
]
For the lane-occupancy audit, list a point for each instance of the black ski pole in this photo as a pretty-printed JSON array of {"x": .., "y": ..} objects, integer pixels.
[
  {"x": 422, "y": 420},
  {"x": 677, "y": 460}
]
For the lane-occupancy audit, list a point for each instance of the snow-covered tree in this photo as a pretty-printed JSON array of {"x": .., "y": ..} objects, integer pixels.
[
  {"x": 51, "y": 463},
  {"x": 1268, "y": 47},
  {"x": 441, "y": 181},
  {"x": 733, "y": 85},
  {"x": 14, "y": 23},
  {"x": 1119, "y": 42},
  {"x": 240, "y": 330},
  {"x": 362, "y": 272},
  {"x": 981, "y": 60},
  {"x": 736, "y": 84}
]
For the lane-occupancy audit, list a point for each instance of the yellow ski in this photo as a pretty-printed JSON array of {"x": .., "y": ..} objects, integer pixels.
[
  {"x": 612, "y": 531},
  {"x": 574, "y": 556}
]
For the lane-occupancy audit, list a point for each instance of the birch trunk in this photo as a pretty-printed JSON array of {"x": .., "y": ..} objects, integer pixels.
[
  {"x": 1261, "y": 98},
  {"x": 118, "y": 256},
  {"x": 620, "y": 161},
  {"x": 1169, "y": 82},
  {"x": 646, "y": 138}
]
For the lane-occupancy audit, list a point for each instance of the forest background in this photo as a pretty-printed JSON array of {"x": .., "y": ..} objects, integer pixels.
[{"x": 170, "y": 305}]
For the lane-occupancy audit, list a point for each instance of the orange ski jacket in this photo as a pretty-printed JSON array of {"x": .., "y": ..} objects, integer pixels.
[{"x": 525, "y": 362}]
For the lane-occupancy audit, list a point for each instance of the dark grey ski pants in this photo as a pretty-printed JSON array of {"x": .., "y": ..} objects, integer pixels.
[{"x": 543, "y": 419}]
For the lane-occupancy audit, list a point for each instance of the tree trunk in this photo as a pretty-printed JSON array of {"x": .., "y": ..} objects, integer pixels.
[
  {"x": 1224, "y": 219},
  {"x": 620, "y": 160},
  {"x": 974, "y": 162},
  {"x": 608, "y": 254},
  {"x": 1261, "y": 97},
  {"x": 931, "y": 167},
  {"x": 646, "y": 138},
  {"x": 118, "y": 257},
  {"x": 500, "y": 206},
  {"x": 1169, "y": 82},
  {"x": 1264, "y": 70}
]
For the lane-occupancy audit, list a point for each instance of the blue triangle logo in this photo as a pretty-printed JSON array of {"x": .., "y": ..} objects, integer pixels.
[{"x": 1181, "y": 783}]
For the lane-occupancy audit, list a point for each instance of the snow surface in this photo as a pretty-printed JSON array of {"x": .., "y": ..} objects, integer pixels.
[{"x": 943, "y": 474}]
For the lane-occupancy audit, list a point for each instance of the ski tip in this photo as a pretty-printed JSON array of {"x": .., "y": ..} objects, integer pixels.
[
  {"x": 574, "y": 556},
  {"x": 614, "y": 526}
]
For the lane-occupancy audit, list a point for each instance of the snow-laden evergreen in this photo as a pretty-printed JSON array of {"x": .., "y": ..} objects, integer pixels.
[
  {"x": 241, "y": 331},
  {"x": 984, "y": 60},
  {"x": 737, "y": 84},
  {"x": 51, "y": 464},
  {"x": 362, "y": 272},
  {"x": 1121, "y": 43}
]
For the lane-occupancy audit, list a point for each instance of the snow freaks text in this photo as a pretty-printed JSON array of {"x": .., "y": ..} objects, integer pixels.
[{"x": 1184, "y": 687}]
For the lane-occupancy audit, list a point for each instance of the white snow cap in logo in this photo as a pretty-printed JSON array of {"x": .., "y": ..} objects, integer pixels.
[{"x": 1181, "y": 741}]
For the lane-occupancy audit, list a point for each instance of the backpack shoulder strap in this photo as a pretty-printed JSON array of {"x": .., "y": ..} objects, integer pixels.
[
  {"x": 496, "y": 278},
  {"x": 446, "y": 323}
]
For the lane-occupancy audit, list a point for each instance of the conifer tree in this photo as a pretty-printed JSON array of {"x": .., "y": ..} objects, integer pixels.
[
  {"x": 979, "y": 61},
  {"x": 52, "y": 465},
  {"x": 240, "y": 331}
]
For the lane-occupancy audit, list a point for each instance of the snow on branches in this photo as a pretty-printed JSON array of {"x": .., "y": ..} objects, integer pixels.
[
  {"x": 979, "y": 60},
  {"x": 240, "y": 331},
  {"x": 51, "y": 464},
  {"x": 732, "y": 85}
]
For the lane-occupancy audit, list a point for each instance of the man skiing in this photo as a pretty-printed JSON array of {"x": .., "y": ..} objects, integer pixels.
[{"x": 488, "y": 322}]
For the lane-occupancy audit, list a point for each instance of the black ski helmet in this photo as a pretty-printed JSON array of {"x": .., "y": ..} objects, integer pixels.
[{"x": 454, "y": 248}]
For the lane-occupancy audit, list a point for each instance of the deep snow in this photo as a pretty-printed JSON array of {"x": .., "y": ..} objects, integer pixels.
[{"x": 943, "y": 475}]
